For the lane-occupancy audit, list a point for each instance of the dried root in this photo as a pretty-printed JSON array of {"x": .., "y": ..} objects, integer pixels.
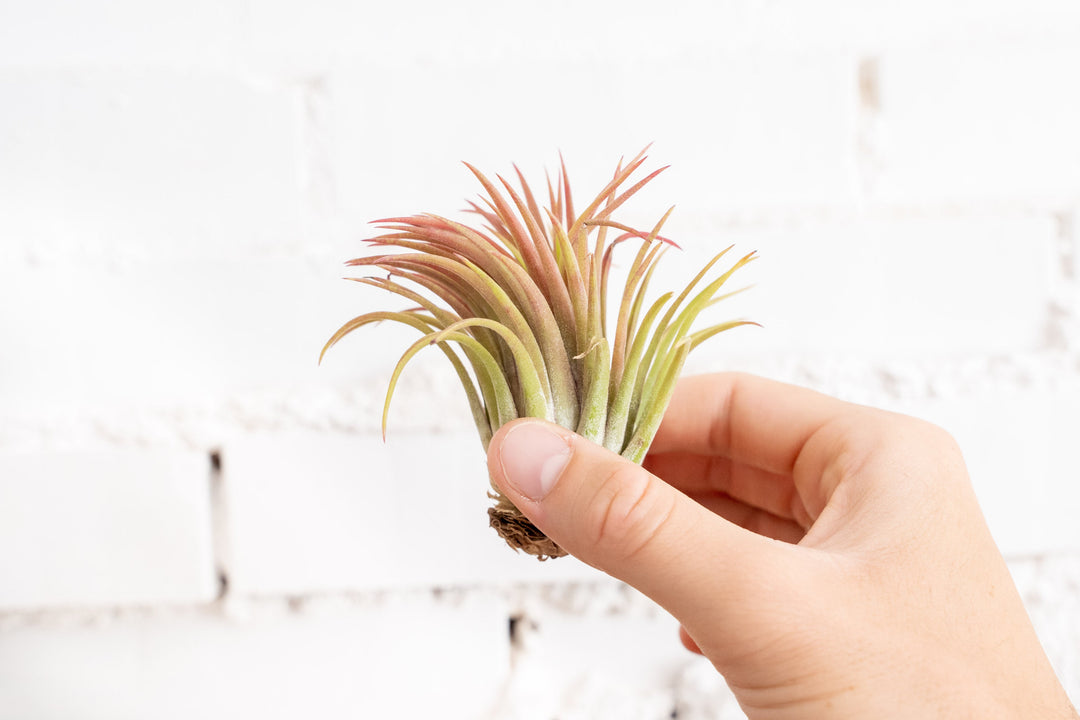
[{"x": 519, "y": 532}]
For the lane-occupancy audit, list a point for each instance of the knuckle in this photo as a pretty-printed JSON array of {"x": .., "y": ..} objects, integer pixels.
[
  {"x": 934, "y": 440},
  {"x": 943, "y": 439},
  {"x": 926, "y": 455},
  {"x": 628, "y": 511}
]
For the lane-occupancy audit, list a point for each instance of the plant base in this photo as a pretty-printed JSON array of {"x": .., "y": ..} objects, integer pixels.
[{"x": 519, "y": 532}]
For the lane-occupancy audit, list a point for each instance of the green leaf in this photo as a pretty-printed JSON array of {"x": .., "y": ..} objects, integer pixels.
[
  {"x": 619, "y": 412},
  {"x": 596, "y": 362},
  {"x": 483, "y": 420},
  {"x": 649, "y": 423},
  {"x": 537, "y": 403}
]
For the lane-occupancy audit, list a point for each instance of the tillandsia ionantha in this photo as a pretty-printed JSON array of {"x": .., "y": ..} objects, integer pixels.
[{"x": 524, "y": 302}]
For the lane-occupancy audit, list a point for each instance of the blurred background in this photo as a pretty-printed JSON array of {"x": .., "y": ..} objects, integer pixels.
[{"x": 197, "y": 520}]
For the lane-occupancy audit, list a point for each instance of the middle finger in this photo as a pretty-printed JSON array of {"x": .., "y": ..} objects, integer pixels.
[{"x": 698, "y": 475}]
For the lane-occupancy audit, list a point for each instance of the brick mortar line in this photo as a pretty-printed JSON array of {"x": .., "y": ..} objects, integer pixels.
[
  {"x": 324, "y": 222},
  {"x": 324, "y": 225},
  {"x": 603, "y": 598},
  {"x": 353, "y": 407},
  {"x": 318, "y": 179}
]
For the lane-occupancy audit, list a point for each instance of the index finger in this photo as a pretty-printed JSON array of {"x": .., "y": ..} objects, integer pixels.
[{"x": 751, "y": 420}]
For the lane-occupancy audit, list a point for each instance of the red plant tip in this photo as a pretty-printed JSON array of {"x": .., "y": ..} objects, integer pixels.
[{"x": 645, "y": 236}]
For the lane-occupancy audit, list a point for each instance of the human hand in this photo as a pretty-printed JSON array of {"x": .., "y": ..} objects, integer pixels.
[{"x": 830, "y": 560}]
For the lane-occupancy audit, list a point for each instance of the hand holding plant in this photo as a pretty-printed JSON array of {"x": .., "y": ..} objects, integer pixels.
[{"x": 829, "y": 559}]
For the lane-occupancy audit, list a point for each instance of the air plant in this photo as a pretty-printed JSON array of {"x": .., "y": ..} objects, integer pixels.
[{"x": 524, "y": 316}]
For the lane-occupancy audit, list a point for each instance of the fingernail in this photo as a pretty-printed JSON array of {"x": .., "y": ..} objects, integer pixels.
[{"x": 532, "y": 458}]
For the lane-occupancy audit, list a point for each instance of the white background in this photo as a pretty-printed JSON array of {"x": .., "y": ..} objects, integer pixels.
[{"x": 198, "y": 521}]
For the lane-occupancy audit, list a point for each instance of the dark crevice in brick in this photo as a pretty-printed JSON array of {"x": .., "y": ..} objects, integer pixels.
[
  {"x": 217, "y": 523},
  {"x": 867, "y": 152},
  {"x": 223, "y": 584},
  {"x": 870, "y": 84}
]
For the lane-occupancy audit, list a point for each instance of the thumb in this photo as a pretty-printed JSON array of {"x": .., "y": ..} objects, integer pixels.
[{"x": 616, "y": 516}]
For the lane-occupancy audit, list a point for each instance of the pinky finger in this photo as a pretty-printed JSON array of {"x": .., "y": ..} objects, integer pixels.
[{"x": 688, "y": 642}]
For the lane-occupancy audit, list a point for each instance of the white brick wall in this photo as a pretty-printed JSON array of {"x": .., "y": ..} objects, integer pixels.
[
  {"x": 104, "y": 528},
  {"x": 332, "y": 659},
  {"x": 137, "y": 164},
  {"x": 180, "y": 183},
  {"x": 991, "y": 123},
  {"x": 315, "y": 513}
]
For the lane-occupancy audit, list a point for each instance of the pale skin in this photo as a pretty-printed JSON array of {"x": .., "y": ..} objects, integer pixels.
[{"x": 829, "y": 559}]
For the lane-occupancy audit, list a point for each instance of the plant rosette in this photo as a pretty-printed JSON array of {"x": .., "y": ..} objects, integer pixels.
[{"x": 519, "y": 306}]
